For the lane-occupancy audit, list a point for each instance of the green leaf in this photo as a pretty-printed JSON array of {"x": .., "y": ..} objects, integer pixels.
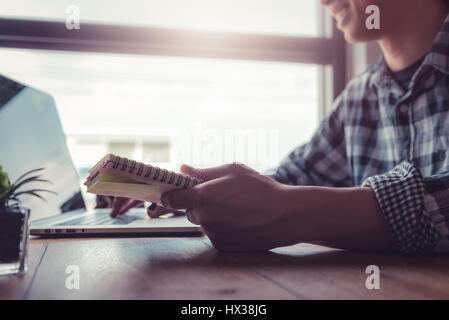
[
  {"x": 12, "y": 191},
  {"x": 4, "y": 181},
  {"x": 31, "y": 191},
  {"x": 36, "y": 195},
  {"x": 16, "y": 185},
  {"x": 26, "y": 174}
]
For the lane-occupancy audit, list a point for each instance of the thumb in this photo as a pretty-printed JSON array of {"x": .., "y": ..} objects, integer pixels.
[
  {"x": 179, "y": 198},
  {"x": 209, "y": 173}
]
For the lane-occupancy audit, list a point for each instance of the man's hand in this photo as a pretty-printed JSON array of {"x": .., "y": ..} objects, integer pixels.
[
  {"x": 122, "y": 205},
  {"x": 242, "y": 210},
  {"x": 238, "y": 208}
]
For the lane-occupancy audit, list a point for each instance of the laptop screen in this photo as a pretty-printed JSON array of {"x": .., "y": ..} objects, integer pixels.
[{"x": 31, "y": 137}]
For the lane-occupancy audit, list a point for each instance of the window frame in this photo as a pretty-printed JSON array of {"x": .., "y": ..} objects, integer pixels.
[{"x": 327, "y": 51}]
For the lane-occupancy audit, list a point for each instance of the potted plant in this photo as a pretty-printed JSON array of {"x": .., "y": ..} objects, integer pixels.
[{"x": 14, "y": 219}]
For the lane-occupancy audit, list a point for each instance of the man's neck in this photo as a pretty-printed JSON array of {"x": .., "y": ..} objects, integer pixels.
[{"x": 414, "y": 36}]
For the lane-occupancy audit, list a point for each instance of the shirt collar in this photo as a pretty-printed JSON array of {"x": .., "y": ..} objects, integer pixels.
[
  {"x": 437, "y": 58},
  {"x": 383, "y": 78}
]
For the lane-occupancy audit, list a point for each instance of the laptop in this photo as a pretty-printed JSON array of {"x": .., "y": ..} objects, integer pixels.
[{"x": 31, "y": 136}]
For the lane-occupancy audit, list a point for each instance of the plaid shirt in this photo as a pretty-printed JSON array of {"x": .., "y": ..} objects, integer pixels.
[{"x": 393, "y": 140}]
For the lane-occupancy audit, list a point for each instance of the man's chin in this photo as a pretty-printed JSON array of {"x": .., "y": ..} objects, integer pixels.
[
  {"x": 354, "y": 36},
  {"x": 350, "y": 38},
  {"x": 348, "y": 32}
]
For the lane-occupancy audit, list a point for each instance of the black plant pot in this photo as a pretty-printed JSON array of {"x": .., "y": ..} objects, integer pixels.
[{"x": 13, "y": 236}]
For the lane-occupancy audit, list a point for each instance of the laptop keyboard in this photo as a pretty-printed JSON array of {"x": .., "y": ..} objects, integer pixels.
[{"x": 97, "y": 219}]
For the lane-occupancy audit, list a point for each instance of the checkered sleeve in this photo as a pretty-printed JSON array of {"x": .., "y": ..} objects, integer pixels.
[
  {"x": 322, "y": 161},
  {"x": 416, "y": 209}
]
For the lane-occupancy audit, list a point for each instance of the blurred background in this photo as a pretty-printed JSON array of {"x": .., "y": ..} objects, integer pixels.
[{"x": 168, "y": 82}]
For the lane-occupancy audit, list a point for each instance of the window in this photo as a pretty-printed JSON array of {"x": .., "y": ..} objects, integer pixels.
[
  {"x": 285, "y": 17},
  {"x": 171, "y": 82}
]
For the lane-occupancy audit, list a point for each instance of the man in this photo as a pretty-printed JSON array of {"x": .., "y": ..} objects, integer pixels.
[{"x": 375, "y": 174}]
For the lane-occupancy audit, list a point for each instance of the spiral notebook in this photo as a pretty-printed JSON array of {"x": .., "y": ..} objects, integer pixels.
[{"x": 121, "y": 177}]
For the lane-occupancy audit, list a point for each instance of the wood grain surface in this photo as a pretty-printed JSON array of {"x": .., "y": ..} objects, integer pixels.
[{"x": 190, "y": 268}]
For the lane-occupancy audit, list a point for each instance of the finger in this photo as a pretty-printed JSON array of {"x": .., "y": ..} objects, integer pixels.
[
  {"x": 155, "y": 211},
  {"x": 179, "y": 198},
  {"x": 130, "y": 204},
  {"x": 117, "y": 204},
  {"x": 101, "y": 202},
  {"x": 190, "y": 214},
  {"x": 210, "y": 173},
  {"x": 109, "y": 200}
]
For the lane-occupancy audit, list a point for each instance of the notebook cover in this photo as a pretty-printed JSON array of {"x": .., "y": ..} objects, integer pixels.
[{"x": 118, "y": 176}]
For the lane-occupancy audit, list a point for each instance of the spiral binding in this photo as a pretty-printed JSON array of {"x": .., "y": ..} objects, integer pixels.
[{"x": 161, "y": 174}]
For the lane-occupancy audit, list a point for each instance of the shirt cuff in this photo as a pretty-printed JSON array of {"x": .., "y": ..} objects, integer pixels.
[
  {"x": 436, "y": 202},
  {"x": 273, "y": 174},
  {"x": 400, "y": 194}
]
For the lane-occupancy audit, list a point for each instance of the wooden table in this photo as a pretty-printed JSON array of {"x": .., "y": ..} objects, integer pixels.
[{"x": 190, "y": 268}]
